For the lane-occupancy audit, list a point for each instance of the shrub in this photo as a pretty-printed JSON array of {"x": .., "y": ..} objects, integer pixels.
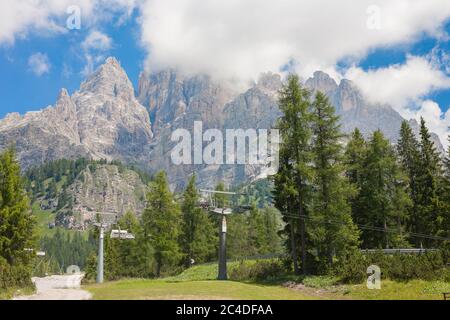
[
  {"x": 261, "y": 270},
  {"x": 14, "y": 276},
  {"x": 426, "y": 266}
]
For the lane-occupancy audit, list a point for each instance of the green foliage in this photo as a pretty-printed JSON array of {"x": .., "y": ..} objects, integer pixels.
[
  {"x": 199, "y": 233},
  {"x": 130, "y": 253},
  {"x": 402, "y": 267},
  {"x": 260, "y": 270},
  {"x": 332, "y": 190},
  {"x": 383, "y": 199},
  {"x": 17, "y": 276},
  {"x": 292, "y": 183},
  {"x": 16, "y": 222},
  {"x": 431, "y": 209},
  {"x": 161, "y": 225},
  {"x": 68, "y": 249},
  {"x": 354, "y": 157},
  {"x": 16, "y": 225},
  {"x": 409, "y": 155},
  {"x": 257, "y": 194}
]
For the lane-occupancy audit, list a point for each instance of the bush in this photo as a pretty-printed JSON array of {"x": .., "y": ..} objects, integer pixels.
[
  {"x": 14, "y": 276},
  {"x": 261, "y": 270},
  {"x": 403, "y": 267}
]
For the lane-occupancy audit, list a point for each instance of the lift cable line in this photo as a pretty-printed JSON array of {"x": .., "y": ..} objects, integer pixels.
[
  {"x": 372, "y": 228},
  {"x": 210, "y": 204}
]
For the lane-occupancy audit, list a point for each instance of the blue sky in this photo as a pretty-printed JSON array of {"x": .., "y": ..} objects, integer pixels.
[
  {"x": 22, "y": 90},
  {"x": 404, "y": 60}
]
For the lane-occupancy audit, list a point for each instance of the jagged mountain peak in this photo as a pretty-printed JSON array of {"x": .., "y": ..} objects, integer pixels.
[
  {"x": 270, "y": 83},
  {"x": 321, "y": 81},
  {"x": 348, "y": 85},
  {"x": 109, "y": 79},
  {"x": 63, "y": 94}
]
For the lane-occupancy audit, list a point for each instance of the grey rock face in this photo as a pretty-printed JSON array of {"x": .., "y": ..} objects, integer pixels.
[
  {"x": 46, "y": 135},
  {"x": 103, "y": 188},
  {"x": 354, "y": 109},
  {"x": 102, "y": 120}
]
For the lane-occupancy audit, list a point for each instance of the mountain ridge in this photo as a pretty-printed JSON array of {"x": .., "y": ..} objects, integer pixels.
[{"x": 107, "y": 119}]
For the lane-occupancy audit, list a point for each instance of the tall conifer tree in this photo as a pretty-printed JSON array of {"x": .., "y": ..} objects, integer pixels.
[
  {"x": 331, "y": 226},
  {"x": 16, "y": 221},
  {"x": 296, "y": 172},
  {"x": 161, "y": 223},
  {"x": 199, "y": 234}
]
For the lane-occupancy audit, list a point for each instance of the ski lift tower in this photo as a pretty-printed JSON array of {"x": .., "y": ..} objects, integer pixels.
[
  {"x": 211, "y": 206},
  {"x": 107, "y": 221}
]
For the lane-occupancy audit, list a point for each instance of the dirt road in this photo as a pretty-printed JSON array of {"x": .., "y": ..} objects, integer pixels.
[{"x": 58, "y": 288}]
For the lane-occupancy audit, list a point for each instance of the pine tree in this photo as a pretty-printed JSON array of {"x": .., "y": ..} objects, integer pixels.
[
  {"x": 331, "y": 227},
  {"x": 409, "y": 154},
  {"x": 16, "y": 222},
  {"x": 199, "y": 238},
  {"x": 296, "y": 173},
  {"x": 257, "y": 236},
  {"x": 429, "y": 182},
  {"x": 112, "y": 264},
  {"x": 161, "y": 223},
  {"x": 130, "y": 251},
  {"x": 272, "y": 227},
  {"x": 446, "y": 197},
  {"x": 355, "y": 154},
  {"x": 285, "y": 197},
  {"x": 354, "y": 157},
  {"x": 383, "y": 197},
  {"x": 263, "y": 231},
  {"x": 238, "y": 237}
]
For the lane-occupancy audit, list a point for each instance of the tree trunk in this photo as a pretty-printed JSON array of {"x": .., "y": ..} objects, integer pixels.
[
  {"x": 158, "y": 266},
  {"x": 303, "y": 241},
  {"x": 294, "y": 249}
]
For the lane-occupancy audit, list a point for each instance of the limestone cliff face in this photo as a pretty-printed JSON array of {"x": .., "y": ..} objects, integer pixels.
[
  {"x": 101, "y": 120},
  {"x": 45, "y": 135},
  {"x": 108, "y": 189},
  {"x": 354, "y": 109}
]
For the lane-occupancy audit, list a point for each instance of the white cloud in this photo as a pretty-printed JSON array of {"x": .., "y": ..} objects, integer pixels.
[
  {"x": 97, "y": 40},
  {"x": 239, "y": 39},
  {"x": 400, "y": 85},
  {"x": 437, "y": 121},
  {"x": 94, "y": 47},
  {"x": 18, "y": 18},
  {"x": 39, "y": 64},
  {"x": 235, "y": 39},
  {"x": 405, "y": 87}
]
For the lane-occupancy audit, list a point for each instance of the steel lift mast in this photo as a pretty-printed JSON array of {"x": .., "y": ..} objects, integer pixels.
[{"x": 223, "y": 213}]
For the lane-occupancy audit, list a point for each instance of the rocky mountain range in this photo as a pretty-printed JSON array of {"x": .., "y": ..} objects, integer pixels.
[{"x": 107, "y": 119}]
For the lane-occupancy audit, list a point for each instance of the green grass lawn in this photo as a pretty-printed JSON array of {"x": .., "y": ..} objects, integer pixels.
[
  {"x": 199, "y": 283},
  {"x": 191, "y": 290},
  {"x": 230, "y": 290},
  {"x": 10, "y": 293},
  {"x": 392, "y": 290}
]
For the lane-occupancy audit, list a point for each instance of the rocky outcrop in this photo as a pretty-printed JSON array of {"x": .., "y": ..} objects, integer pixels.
[{"x": 109, "y": 189}]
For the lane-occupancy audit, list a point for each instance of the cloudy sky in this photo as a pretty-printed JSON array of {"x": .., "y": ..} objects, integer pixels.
[{"x": 397, "y": 51}]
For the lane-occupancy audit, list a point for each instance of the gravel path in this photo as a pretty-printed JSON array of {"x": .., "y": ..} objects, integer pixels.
[{"x": 58, "y": 288}]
